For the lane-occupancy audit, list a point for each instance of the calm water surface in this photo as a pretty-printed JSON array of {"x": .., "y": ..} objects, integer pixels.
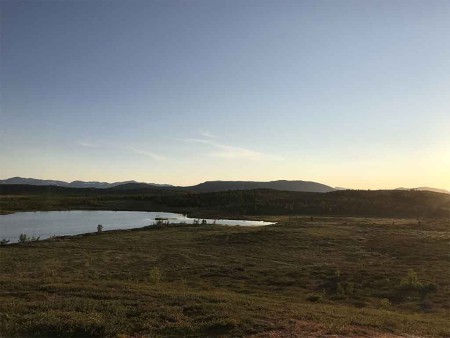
[{"x": 45, "y": 224}]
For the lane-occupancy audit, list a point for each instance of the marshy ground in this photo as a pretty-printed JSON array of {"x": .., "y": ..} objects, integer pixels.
[{"x": 302, "y": 276}]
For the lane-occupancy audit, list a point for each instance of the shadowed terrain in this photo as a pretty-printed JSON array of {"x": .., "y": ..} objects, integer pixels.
[
  {"x": 307, "y": 276},
  {"x": 377, "y": 203}
]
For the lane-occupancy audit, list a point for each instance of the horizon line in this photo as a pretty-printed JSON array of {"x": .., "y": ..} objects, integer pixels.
[{"x": 219, "y": 180}]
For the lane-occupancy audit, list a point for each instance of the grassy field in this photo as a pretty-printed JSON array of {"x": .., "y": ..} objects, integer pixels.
[{"x": 303, "y": 276}]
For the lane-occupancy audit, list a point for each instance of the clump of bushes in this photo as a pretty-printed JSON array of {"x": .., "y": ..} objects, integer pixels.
[
  {"x": 316, "y": 297},
  {"x": 23, "y": 238},
  {"x": 155, "y": 275},
  {"x": 411, "y": 287},
  {"x": 412, "y": 283},
  {"x": 384, "y": 304},
  {"x": 339, "y": 287}
]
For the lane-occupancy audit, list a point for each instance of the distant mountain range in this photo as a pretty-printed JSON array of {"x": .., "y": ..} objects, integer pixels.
[
  {"x": 442, "y": 191},
  {"x": 74, "y": 184},
  {"x": 210, "y": 186},
  {"x": 305, "y": 186}
]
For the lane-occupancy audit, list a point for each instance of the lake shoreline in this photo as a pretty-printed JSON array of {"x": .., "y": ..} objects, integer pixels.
[
  {"x": 36, "y": 225},
  {"x": 232, "y": 281}
]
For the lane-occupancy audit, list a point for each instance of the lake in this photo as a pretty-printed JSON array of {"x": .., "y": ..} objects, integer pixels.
[{"x": 45, "y": 224}]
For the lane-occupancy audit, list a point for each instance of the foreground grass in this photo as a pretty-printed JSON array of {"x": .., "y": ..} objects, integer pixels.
[{"x": 348, "y": 276}]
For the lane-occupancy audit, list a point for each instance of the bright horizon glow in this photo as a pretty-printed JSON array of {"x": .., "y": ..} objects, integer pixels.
[{"x": 350, "y": 94}]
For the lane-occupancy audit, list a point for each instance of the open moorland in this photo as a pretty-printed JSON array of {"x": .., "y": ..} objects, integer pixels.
[
  {"x": 313, "y": 276},
  {"x": 238, "y": 203}
]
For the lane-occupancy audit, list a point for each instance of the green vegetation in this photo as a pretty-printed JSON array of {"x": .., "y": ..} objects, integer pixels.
[
  {"x": 408, "y": 204},
  {"x": 23, "y": 238},
  {"x": 4, "y": 241},
  {"x": 307, "y": 276}
]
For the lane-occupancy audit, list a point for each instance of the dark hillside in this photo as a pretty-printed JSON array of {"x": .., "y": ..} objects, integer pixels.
[
  {"x": 215, "y": 186},
  {"x": 378, "y": 203},
  {"x": 382, "y": 203},
  {"x": 27, "y": 189},
  {"x": 129, "y": 188}
]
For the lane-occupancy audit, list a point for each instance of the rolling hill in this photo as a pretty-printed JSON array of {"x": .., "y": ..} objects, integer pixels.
[
  {"x": 209, "y": 186},
  {"x": 75, "y": 184},
  {"x": 305, "y": 186},
  {"x": 442, "y": 191}
]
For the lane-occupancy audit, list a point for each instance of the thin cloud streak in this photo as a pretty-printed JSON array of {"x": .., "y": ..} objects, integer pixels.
[
  {"x": 232, "y": 152},
  {"x": 207, "y": 134},
  {"x": 87, "y": 144},
  {"x": 152, "y": 155},
  {"x": 148, "y": 154}
]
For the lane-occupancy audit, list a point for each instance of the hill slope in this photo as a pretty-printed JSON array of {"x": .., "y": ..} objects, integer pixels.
[
  {"x": 210, "y": 186},
  {"x": 339, "y": 277},
  {"x": 75, "y": 184},
  {"x": 378, "y": 203},
  {"x": 305, "y": 186},
  {"x": 442, "y": 191}
]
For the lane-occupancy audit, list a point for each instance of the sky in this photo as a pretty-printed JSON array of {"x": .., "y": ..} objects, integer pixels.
[{"x": 352, "y": 94}]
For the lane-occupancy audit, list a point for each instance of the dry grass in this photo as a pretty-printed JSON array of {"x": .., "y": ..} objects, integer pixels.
[{"x": 326, "y": 277}]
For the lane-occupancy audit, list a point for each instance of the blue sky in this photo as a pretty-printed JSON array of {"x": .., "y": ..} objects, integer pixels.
[{"x": 347, "y": 93}]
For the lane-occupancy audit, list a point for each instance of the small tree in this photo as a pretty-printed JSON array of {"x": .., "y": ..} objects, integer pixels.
[
  {"x": 23, "y": 238},
  {"x": 412, "y": 286},
  {"x": 4, "y": 241},
  {"x": 155, "y": 275},
  {"x": 411, "y": 281}
]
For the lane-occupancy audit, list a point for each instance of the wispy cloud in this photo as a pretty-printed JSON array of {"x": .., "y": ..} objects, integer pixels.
[
  {"x": 148, "y": 154},
  {"x": 87, "y": 144},
  {"x": 207, "y": 134},
  {"x": 152, "y": 155},
  {"x": 231, "y": 152}
]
